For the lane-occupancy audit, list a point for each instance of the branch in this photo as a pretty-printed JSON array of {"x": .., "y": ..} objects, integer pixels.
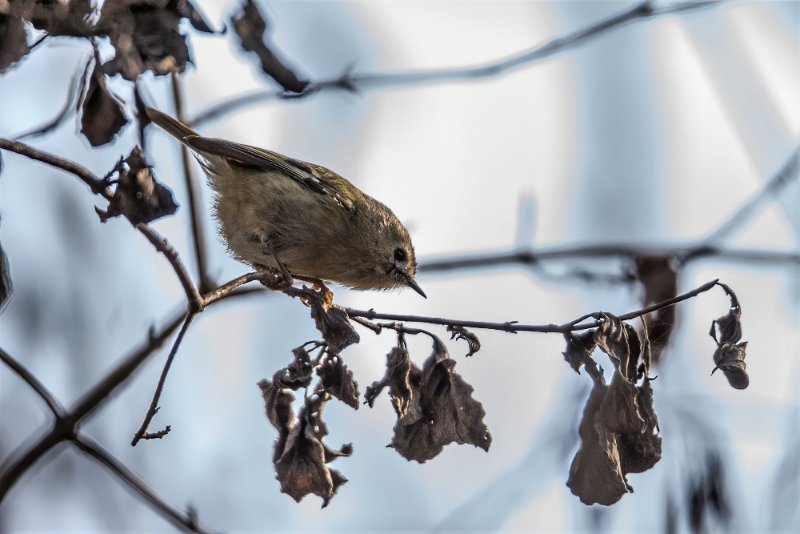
[
  {"x": 513, "y": 327},
  {"x": 186, "y": 522},
  {"x": 34, "y": 383},
  {"x": 195, "y": 210},
  {"x": 356, "y": 82}
]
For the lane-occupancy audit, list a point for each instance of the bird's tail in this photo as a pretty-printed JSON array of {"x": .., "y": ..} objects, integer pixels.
[{"x": 172, "y": 126}]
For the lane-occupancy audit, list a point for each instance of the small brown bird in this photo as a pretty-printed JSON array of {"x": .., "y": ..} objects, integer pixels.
[{"x": 281, "y": 213}]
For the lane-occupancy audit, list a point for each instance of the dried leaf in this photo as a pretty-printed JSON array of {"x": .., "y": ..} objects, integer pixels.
[
  {"x": 55, "y": 17},
  {"x": 101, "y": 114},
  {"x": 6, "y": 288},
  {"x": 250, "y": 26},
  {"x": 13, "y": 40},
  {"x": 146, "y": 36},
  {"x": 337, "y": 380},
  {"x": 302, "y": 467},
  {"x": 729, "y": 327},
  {"x": 619, "y": 411},
  {"x": 459, "y": 332},
  {"x": 579, "y": 349},
  {"x": 595, "y": 474},
  {"x": 278, "y": 405},
  {"x": 612, "y": 338},
  {"x": 639, "y": 452},
  {"x": 138, "y": 196},
  {"x": 397, "y": 378},
  {"x": 729, "y": 358},
  {"x": 333, "y": 324},
  {"x": 297, "y": 374},
  {"x": 441, "y": 411}
]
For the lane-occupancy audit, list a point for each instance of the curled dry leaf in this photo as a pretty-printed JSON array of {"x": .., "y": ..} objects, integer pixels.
[
  {"x": 138, "y": 196},
  {"x": 730, "y": 354},
  {"x": 332, "y": 322},
  {"x": 620, "y": 342},
  {"x": 300, "y": 456},
  {"x": 619, "y": 411},
  {"x": 459, "y": 332},
  {"x": 337, "y": 380},
  {"x": 579, "y": 352},
  {"x": 595, "y": 474},
  {"x": 13, "y": 40},
  {"x": 101, "y": 113},
  {"x": 56, "y": 18},
  {"x": 250, "y": 25},
  {"x": 434, "y": 405},
  {"x": 639, "y": 452},
  {"x": 297, "y": 374}
]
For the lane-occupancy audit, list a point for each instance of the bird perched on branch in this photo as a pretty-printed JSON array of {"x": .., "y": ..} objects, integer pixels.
[{"x": 299, "y": 218}]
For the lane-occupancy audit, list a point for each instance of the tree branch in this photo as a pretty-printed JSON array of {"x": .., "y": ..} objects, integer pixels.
[
  {"x": 55, "y": 407},
  {"x": 356, "y": 82}
]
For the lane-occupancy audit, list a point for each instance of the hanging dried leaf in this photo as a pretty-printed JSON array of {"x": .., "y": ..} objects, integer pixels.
[
  {"x": 102, "y": 116},
  {"x": 301, "y": 466},
  {"x": 337, "y": 380},
  {"x": 729, "y": 356},
  {"x": 595, "y": 474},
  {"x": 250, "y": 25},
  {"x": 55, "y": 17},
  {"x": 278, "y": 405},
  {"x": 660, "y": 281},
  {"x": 579, "y": 352},
  {"x": 5, "y": 279},
  {"x": 13, "y": 40},
  {"x": 398, "y": 378},
  {"x": 459, "y": 332},
  {"x": 619, "y": 411},
  {"x": 441, "y": 411},
  {"x": 297, "y": 374},
  {"x": 138, "y": 196},
  {"x": 333, "y": 323},
  {"x": 612, "y": 338},
  {"x": 639, "y": 452}
]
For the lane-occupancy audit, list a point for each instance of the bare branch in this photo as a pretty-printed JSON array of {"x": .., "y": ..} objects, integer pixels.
[
  {"x": 356, "y": 82},
  {"x": 513, "y": 327},
  {"x": 55, "y": 407},
  {"x": 94, "y": 450}
]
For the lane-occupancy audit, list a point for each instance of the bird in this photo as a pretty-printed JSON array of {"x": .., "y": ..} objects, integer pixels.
[{"x": 297, "y": 218}]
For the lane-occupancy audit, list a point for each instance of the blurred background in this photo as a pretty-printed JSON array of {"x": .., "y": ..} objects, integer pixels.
[{"x": 652, "y": 134}]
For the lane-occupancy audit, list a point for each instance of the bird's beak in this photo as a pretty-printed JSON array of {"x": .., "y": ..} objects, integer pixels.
[{"x": 415, "y": 286}]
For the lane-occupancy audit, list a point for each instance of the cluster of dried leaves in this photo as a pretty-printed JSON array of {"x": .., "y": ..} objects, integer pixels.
[{"x": 146, "y": 36}]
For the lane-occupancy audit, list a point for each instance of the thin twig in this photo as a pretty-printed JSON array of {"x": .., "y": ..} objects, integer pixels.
[
  {"x": 94, "y": 450},
  {"x": 195, "y": 209},
  {"x": 356, "y": 82},
  {"x": 514, "y": 327},
  {"x": 151, "y": 412},
  {"x": 33, "y": 382}
]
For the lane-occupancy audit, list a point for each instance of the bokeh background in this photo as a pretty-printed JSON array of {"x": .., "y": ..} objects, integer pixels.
[{"x": 653, "y": 133}]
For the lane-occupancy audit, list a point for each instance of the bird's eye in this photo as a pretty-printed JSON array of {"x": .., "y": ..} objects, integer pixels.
[{"x": 399, "y": 254}]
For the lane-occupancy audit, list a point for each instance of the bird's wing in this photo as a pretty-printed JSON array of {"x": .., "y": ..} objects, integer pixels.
[{"x": 316, "y": 178}]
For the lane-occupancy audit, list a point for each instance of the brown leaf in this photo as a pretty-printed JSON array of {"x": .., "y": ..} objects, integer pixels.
[
  {"x": 729, "y": 327},
  {"x": 55, "y": 17},
  {"x": 333, "y": 324},
  {"x": 729, "y": 358},
  {"x": 302, "y": 467},
  {"x": 13, "y": 40},
  {"x": 579, "y": 351},
  {"x": 397, "y": 378},
  {"x": 297, "y": 374},
  {"x": 250, "y": 25},
  {"x": 459, "y": 332},
  {"x": 441, "y": 411},
  {"x": 612, "y": 338},
  {"x": 278, "y": 405},
  {"x": 337, "y": 380},
  {"x": 102, "y": 116},
  {"x": 138, "y": 196},
  {"x": 619, "y": 411},
  {"x": 595, "y": 474},
  {"x": 639, "y": 452}
]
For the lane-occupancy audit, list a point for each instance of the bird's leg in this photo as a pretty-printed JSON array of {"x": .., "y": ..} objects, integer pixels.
[{"x": 320, "y": 286}]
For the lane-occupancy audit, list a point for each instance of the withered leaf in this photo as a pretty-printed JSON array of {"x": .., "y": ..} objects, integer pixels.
[
  {"x": 729, "y": 327},
  {"x": 337, "y": 380},
  {"x": 397, "y": 378},
  {"x": 297, "y": 374},
  {"x": 250, "y": 26},
  {"x": 612, "y": 338},
  {"x": 301, "y": 467},
  {"x": 145, "y": 35},
  {"x": 579, "y": 350},
  {"x": 55, "y": 17},
  {"x": 659, "y": 278},
  {"x": 595, "y": 474},
  {"x": 333, "y": 324},
  {"x": 639, "y": 452},
  {"x": 13, "y": 40},
  {"x": 102, "y": 116},
  {"x": 729, "y": 358},
  {"x": 278, "y": 405},
  {"x": 441, "y": 411},
  {"x": 459, "y": 332},
  {"x": 5, "y": 279},
  {"x": 619, "y": 411},
  {"x": 138, "y": 196}
]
